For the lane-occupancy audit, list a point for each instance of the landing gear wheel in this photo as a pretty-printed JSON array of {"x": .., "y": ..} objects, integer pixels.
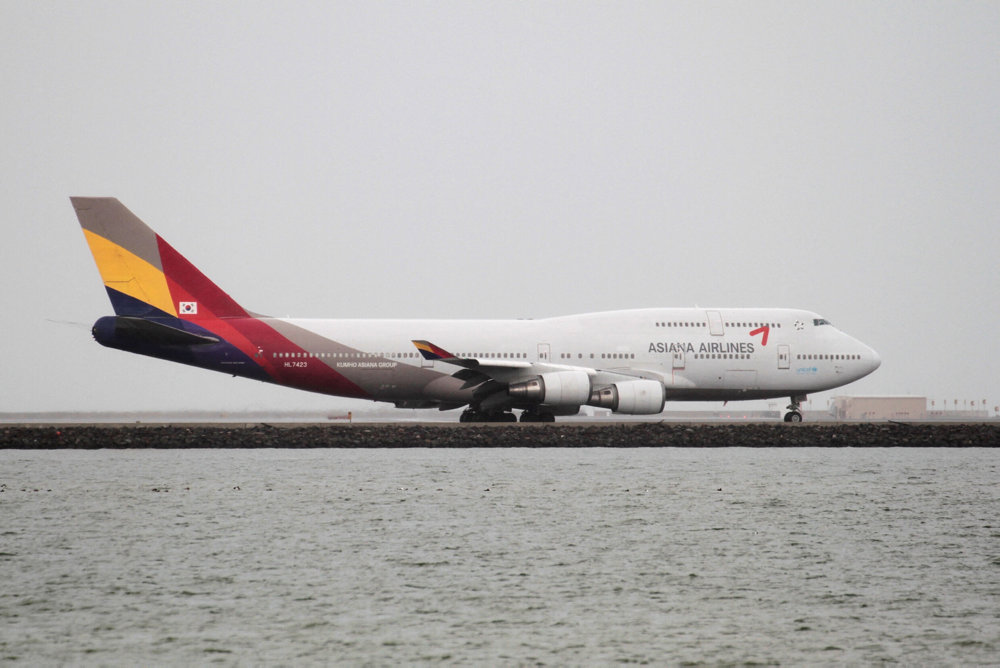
[
  {"x": 471, "y": 415},
  {"x": 535, "y": 416},
  {"x": 794, "y": 413}
]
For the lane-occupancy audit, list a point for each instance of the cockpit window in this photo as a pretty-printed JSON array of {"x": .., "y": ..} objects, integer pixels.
[{"x": 820, "y": 321}]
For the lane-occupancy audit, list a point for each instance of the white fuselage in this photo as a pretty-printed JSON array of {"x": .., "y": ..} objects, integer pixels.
[{"x": 696, "y": 353}]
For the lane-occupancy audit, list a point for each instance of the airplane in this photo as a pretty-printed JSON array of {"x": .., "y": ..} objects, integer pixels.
[{"x": 630, "y": 361}]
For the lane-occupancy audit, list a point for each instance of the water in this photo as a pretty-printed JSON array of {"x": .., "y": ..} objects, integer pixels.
[{"x": 513, "y": 557}]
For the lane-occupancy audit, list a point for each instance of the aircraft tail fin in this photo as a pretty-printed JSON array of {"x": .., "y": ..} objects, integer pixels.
[{"x": 143, "y": 274}]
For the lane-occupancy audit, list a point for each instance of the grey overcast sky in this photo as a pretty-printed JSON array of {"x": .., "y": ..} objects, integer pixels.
[{"x": 506, "y": 159}]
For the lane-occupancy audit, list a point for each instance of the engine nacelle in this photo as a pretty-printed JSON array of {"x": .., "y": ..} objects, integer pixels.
[
  {"x": 635, "y": 397},
  {"x": 557, "y": 388}
]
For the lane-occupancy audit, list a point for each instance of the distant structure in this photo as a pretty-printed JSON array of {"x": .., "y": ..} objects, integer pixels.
[
  {"x": 965, "y": 413},
  {"x": 899, "y": 408},
  {"x": 879, "y": 408}
]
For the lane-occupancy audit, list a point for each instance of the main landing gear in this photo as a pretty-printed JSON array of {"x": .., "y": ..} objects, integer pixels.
[
  {"x": 530, "y": 415},
  {"x": 794, "y": 413},
  {"x": 471, "y": 415}
]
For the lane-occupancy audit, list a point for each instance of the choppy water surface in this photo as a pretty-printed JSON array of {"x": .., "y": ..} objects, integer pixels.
[{"x": 500, "y": 556}]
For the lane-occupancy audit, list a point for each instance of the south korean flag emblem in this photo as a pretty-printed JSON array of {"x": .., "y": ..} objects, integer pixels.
[{"x": 188, "y": 308}]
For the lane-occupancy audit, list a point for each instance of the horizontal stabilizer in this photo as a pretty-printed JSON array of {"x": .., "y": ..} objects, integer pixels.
[{"x": 148, "y": 331}]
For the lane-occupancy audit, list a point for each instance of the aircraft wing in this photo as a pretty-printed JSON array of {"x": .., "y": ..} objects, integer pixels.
[
  {"x": 491, "y": 378},
  {"x": 477, "y": 370},
  {"x": 437, "y": 353},
  {"x": 504, "y": 371}
]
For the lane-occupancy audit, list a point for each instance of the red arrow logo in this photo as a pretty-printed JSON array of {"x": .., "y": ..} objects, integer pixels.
[{"x": 765, "y": 330}]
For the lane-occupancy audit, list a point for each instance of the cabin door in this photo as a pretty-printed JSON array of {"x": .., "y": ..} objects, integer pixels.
[
  {"x": 715, "y": 327},
  {"x": 784, "y": 356}
]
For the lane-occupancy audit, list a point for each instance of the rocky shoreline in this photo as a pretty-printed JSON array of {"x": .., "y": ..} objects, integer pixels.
[{"x": 624, "y": 435}]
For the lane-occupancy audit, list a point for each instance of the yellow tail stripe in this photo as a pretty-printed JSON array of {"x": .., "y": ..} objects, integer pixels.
[{"x": 130, "y": 274}]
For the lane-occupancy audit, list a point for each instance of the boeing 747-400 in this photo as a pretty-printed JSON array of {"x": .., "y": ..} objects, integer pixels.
[{"x": 630, "y": 362}]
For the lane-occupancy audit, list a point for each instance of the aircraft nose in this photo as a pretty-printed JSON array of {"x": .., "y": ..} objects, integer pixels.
[{"x": 874, "y": 360}]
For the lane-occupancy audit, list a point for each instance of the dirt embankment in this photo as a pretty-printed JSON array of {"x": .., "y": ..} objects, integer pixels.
[{"x": 502, "y": 436}]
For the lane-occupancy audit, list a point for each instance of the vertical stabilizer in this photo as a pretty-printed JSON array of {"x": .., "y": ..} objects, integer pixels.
[{"x": 143, "y": 274}]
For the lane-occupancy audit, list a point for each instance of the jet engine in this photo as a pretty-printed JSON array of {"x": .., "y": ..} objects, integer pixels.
[
  {"x": 558, "y": 388},
  {"x": 635, "y": 397}
]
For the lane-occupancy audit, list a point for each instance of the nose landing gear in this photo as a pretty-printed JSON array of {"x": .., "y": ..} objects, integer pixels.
[{"x": 794, "y": 413}]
